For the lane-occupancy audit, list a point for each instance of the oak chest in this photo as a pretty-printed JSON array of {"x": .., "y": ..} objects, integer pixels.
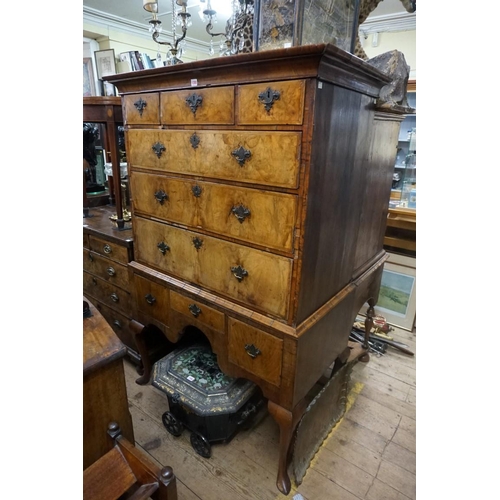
[{"x": 260, "y": 185}]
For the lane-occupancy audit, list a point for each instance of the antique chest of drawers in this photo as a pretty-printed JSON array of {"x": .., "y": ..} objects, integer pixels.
[
  {"x": 106, "y": 253},
  {"x": 260, "y": 185}
]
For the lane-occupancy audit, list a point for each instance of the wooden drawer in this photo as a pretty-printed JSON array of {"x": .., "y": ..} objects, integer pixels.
[
  {"x": 271, "y": 103},
  {"x": 108, "y": 249},
  {"x": 108, "y": 270},
  {"x": 198, "y": 106},
  {"x": 120, "y": 324},
  {"x": 255, "y": 351},
  {"x": 152, "y": 299},
  {"x": 250, "y": 215},
  {"x": 86, "y": 240},
  {"x": 197, "y": 311},
  {"x": 272, "y": 158},
  {"x": 214, "y": 264},
  {"x": 141, "y": 109},
  {"x": 110, "y": 295}
]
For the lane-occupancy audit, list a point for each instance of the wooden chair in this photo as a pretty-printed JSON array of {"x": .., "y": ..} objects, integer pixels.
[{"x": 125, "y": 472}]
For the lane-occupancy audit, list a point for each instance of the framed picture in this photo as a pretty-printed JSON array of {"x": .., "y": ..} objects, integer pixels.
[
  {"x": 108, "y": 89},
  {"x": 105, "y": 63},
  {"x": 88, "y": 78},
  {"x": 397, "y": 297}
]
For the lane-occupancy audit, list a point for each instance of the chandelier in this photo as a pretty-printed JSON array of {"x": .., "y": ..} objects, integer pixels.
[
  {"x": 180, "y": 18},
  {"x": 231, "y": 40}
]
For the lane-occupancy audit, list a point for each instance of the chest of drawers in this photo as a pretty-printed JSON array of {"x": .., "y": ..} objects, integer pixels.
[
  {"x": 260, "y": 187},
  {"x": 106, "y": 253}
]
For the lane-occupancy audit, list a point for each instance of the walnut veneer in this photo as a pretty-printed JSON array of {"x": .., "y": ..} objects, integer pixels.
[{"x": 260, "y": 186}]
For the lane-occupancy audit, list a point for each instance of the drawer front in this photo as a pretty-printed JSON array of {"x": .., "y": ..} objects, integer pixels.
[
  {"x": 108, "y": 270},
  {"x": 256, "y": 351},
  {"x": 259, "y": 279},
  {"x": 120, "y": 324},
  {"x": 110, "y": 295},
  {"x": 108, "y": 249},
  {"x": 197, "y": 311},
  {"x": 85, "y": 240},
  {"x": 271, "y": 103},
  {"x": 250, "y": 215},
  {"x": 141, "y": 109},
  {"x": 258, "y": 157},
  {"x": 198, "y": 106},
  {"x": 152, "y": 299}
]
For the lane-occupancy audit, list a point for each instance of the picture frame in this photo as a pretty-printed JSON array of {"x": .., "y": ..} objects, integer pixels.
[
  {"x": 88, "y": 78},
  {"x": 397, "y": 297},
  {"x": 109, "y": 89},
  {"x": 105, "y": 63}
]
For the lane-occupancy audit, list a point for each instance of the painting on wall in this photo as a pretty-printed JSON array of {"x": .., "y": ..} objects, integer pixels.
[{"x": 88, "y": 78}]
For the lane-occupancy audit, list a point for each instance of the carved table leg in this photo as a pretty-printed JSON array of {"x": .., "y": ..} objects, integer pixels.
[
  {"x": 368, "y": 328},
  {"x": 138, "y": 331},
  {"x": 287, "y": 421}
]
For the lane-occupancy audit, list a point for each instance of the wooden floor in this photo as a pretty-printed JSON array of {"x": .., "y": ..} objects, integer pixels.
[{"x": 369, "y": 455}]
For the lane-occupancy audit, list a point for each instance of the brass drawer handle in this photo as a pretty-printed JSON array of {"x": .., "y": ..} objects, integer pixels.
[
  {"x": 268, "y": 97},
  {"x": 115, "y": 297},
  {"x": 94, "y": 281},
  {"x": 107, "y": 249},
  {"x": 241, "y": 213},
  {"x": 239, "y": 272},
  {"x": 195, "y": 310},
  {"x": 111, "y": 271},
  {"x": 158, "y": 148},
  {"x": 163, "y": 247},
  {"x": 117, "y": 323},
  {"x": 252, "y": 351},
  {"x": 91, "y": 258},
  {"x": 196, "y": 191},
  {"x": 193, "y": 101},
  {"x": 161, "y": 196},
  {"x": 150, "y": 299},
  {"x": 242, "y": 155},
  {"x": 140, "y": 105}
]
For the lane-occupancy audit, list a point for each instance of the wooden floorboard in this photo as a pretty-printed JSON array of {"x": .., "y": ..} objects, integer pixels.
[{"x": 369, "y": 455}]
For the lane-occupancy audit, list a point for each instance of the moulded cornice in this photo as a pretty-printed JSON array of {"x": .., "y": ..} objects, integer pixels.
[{"x": 403, "y": 21}]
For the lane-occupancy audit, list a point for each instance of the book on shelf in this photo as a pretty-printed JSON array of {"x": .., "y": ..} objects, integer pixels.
[{"x": 125, "y": 64}]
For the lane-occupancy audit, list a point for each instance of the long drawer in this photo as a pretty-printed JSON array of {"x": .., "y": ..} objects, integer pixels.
[
  {"x": 260, "y": 279},
  {"x": 271, "y": 159},
  {"x": 110, "y": 295},
  {"x": 113, "y": 272},
  {"x": 251, "y": 215}
]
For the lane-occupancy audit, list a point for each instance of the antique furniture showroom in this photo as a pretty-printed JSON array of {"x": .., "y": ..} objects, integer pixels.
[{"x": 235, "y": 231}]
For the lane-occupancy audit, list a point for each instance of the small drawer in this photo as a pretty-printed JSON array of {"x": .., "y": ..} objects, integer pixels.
[
  {"x": 120, "y": 325},
  {"x": 86, "y": 241},
  {"x": 152, "y": 299},
  {"x": 141, "y": 109},
  {"x": 110, "y": 295},
  {"x": 255, "y": 351},
  {"x": 108, "y": 270},
  {"x": 108, "y": 249},
  {"x": 198, "y": 311},
  {"x": 271, "y": 103},
  {"x": 198, "y": 106}
]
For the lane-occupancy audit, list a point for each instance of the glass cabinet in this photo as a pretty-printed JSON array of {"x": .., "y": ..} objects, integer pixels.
[{"x": 404, "y": 181}]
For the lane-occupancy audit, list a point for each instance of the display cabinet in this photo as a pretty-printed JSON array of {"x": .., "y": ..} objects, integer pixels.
[{"x": 404, "y": 184}]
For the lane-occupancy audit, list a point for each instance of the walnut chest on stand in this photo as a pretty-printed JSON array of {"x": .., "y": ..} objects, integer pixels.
[{"x": 260, "y": 187}]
